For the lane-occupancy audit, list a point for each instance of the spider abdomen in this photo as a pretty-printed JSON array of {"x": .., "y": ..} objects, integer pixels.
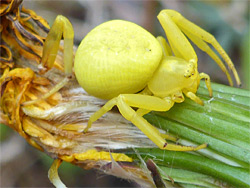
[{"x": 116, "y": 57}]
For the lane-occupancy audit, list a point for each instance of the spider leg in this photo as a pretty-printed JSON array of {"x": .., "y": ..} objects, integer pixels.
[
  {"x": 141, "y": 112},
  {"x": 107, "y": 107},
  {"x": 56, "y": 88},
  {"x": 139, "y": 103},
  {"x": 205, "y": 47},
  {"x": 193, "y": 97},
  {"x": 169, "y": 17},
  {"x": 178, "y": 42},
  {"x": 61, "y": 27},
  {"x": 208, "y": 83},
  {"x": 125, "y": 101},
  {"x": 165, "y": 46}
]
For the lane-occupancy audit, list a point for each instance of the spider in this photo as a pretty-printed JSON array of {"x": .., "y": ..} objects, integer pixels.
[{"x": 123, "y": 63}]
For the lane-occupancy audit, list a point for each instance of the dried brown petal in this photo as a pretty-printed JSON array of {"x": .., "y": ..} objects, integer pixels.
[{"x": 8, "y": 6}]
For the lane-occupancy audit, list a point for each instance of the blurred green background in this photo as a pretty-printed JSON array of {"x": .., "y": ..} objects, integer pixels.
[{"x": 228, "y": 21}]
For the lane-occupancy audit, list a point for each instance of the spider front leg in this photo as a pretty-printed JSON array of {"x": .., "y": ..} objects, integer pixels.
[
  {"x": 124, "y": 103},
  {"x": 207, "y": 82},
  {"x": 174, "y": 25},
  {"x": 193, "y": 97},
  {"x": 61, "y": 27}
]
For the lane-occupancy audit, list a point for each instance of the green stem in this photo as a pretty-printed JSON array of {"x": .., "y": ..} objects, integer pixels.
[
  {"x": 199, "y": 137},
  {"x": 220, "y": 88},
  {"x": 236, "y": 176},
  {"x": 232, "y": 94},
  {"x": 211, "y": 123},
  {"x": 226, "y": 108},
  {"x": 188, "y": 177}
]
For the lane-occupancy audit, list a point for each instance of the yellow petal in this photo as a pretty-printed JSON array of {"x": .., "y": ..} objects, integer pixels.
[{"x": 102, "y": 155}]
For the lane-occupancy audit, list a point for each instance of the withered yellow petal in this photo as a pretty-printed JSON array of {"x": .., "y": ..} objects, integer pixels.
[{"x": 95, "y": 155}]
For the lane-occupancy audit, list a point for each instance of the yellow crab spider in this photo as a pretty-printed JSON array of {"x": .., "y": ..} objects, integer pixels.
[{"x": 120, "y": 61}]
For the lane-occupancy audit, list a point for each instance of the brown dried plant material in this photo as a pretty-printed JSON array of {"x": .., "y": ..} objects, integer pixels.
[
  {"x": 7, "y": 58},
  {"x": 56, "y": 125}
]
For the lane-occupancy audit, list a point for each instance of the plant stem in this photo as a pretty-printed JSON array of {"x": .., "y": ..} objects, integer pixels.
[{"x": 236, "y": 176}]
